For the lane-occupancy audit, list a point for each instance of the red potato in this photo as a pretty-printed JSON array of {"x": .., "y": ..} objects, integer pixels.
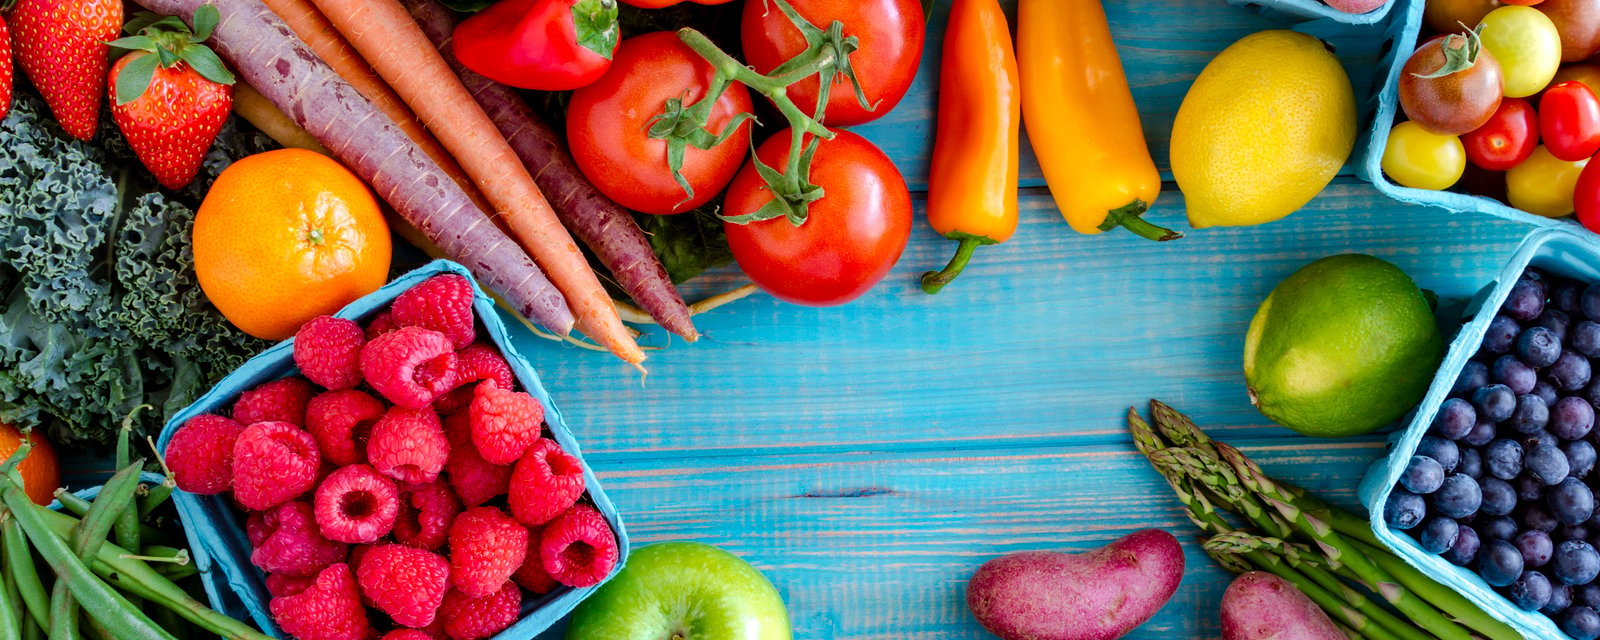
[
  {"x": 1098, "y": 595},
  {"x": 1262, "y": 606}
]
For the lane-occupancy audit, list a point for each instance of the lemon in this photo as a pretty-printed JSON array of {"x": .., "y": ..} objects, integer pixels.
[
  {"x": 1264, "y": 128},
  {"x": 1343, "y": 346}
]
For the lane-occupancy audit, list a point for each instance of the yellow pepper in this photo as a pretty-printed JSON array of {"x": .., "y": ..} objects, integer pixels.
[{"x": 1082, "y": 120}]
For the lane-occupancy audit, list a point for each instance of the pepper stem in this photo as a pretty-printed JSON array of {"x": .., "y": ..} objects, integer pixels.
[
  {"x": 1127, "y": 217},
  {"x": 933, "y": 281}
]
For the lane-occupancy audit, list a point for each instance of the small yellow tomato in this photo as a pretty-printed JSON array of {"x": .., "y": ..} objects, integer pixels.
[
  {"x": 1543, "y": 184},
  {"x": 1417, "y": 158},
  {"x": 1526, "y": 44}
]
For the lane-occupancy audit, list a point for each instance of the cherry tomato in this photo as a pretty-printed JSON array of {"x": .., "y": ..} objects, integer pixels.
[
  {"x": 607, "y": 122},
  {"x": 890, "y": 34},
  {"x": 1447, "y": 16},
  {"x": 1544, "y": 185},
  {"x": 1527, "y": 46},
  {"x": 1588, "y": 74},
  {"x": 1450, "y": 85},
  {"x": 1578, "y": 21},
  {"x": 851, "y": 237},
  {"x": 1417, "y": 158},
  {"x": 1525, "y": 3},
  {"x": 1586, "y": 197},
  {"x": 657, "y": 4},
  {"x": 1507, "y": 139},
  {"x": 1569, "y": 121}
]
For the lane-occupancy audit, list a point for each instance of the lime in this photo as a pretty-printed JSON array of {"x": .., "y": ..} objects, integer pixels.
[{"x": 1345, "y": 345}]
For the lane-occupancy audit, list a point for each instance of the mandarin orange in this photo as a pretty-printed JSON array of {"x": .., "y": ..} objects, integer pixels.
[
  {"x": 285, "y": 236},
  {"x": 41, "y": 472}
]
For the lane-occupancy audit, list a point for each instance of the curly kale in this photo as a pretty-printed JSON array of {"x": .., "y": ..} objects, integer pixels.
[{"x": 100, "y": 310}]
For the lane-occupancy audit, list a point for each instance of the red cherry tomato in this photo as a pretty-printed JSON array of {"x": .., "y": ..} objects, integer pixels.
[
  {"x": 1508, "y": 138},
  {"x": 851, "y": 237},
  {"x": 1569, "y": 121},
  {"x": 1586, "y": 197},
  {"x": 538, "y": 44},
  {"x": 607, "y": 122},
  {"x": 890, "y": 34}
]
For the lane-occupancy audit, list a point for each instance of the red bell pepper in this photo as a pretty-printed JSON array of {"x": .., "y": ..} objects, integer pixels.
[
  {"x": 657, "y": 4},
  {"x": 549, "y": 45}
]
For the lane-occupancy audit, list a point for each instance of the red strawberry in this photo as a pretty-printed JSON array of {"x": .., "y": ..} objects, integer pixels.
[
  {"x": 61, "y": 45},
  {"x": 5, "y": 70},
  {"x": 170, "y": 112}
]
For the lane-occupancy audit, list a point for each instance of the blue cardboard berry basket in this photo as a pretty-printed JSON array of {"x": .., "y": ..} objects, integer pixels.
[
  {"x": 1570, "y": 253},
  {"x": 217, "y": 537},
  {"x": 1306, "y": 10},
  {"x": 1403, "y": 32}
]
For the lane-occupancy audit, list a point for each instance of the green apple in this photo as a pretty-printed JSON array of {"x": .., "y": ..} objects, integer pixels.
[{"x": 683, "y": 591}]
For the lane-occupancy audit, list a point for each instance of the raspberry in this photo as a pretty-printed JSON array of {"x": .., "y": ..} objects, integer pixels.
[
  {"x": 546, "y": 481},
  {"x": 276, "y": 401},
  {"x": 531, "y": 575},
  {"x": 578, "y": 547},
  {"x": 201, "y": 454},
  {"x": 357, "y": 505},
  {"x": 273, "y": 463},
  {"x": 468, "y": 618},
  {"x": 475, "y": 363},
  {"x": 475, "y": 480},
  {"x": 328, "y": 351},
  {"x": 486, "y": 547},
  {"x": 504, "y": 422},
  {"x": 329, "y": 609},
  {"x": 381, "y": 324},
  {"x": 282, "y": 584},
  {"x": 290, "y": 543},
  {"x": 341, "y": 421},
  {"x": 426, "y": 512},
  {"x": 408, "y": 445},
  {"x": 410, "y": 366},
  {"x": 406, "y": 634},
  {"x": 406, "y": 583},
  {"x": 441, "y": 303}
]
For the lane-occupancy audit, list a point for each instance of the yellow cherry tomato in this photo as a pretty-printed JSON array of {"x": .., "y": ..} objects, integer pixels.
[
  {"x": 1417, "y": 158},
  {"x": 1526, "y": 44},
  {"x": 1543, "y": 184}
]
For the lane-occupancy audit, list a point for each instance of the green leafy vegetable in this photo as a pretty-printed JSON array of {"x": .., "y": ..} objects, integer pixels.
[
  {"x": 688, "y": 243},
  {"x": 100, "y": 310}
]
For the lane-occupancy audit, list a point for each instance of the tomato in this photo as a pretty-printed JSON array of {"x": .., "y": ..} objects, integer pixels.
[
  {"x": 1588, "y": 74},
  {"x": 1525, "y": 3},
  {"x": 1507, "y": 139},
  {"x": 1578, "y": 22},
  {"x": 1447, "y": 16},
  {"x": 1544, "y": 185},
  {"x": 890, "y": 34},
  {"x": 1417, "y": 158},
  {"x": 657, "y": 4},
  {"x": 1586, "y": 197},
  {"x": 1527, "y": 46},
  {"x": 607, "y": 122},
  {"x": 1569, "y": 121},
  {"x": 539, "y": 44},
  {"x": 851, "y": 237},
  {"x": 1450, "y": 85}
]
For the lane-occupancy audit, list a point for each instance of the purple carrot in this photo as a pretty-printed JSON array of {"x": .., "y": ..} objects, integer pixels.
[
  {"x": 263, "y": 51},
  {"x": 603, "y": 225}
]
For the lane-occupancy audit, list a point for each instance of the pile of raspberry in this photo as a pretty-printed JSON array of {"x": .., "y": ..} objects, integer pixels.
[{"x": 404, "y": 488}]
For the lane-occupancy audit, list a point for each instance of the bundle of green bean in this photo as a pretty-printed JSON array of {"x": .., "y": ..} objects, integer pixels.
[
  {"x": 109, "y": 567},
  {"x": 1330, "y": 555}
]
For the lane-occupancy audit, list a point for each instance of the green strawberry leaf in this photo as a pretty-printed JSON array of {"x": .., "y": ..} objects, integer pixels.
[
  {"x": 468, "y": 6},
  {"x": 595, "y": 22},
  {"x": 141, "y": 22},
  {"x": 206, "y": 62},
  {"x": 168, "y": 57},
  {"x": 134, "y": 43},
  {"x": 135, "y": 78},
  {"x": 205, "y": 21}
]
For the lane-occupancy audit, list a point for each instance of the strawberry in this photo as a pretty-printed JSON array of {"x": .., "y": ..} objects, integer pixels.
[
  {"x": 5, "y": 70},
  {"x": 171, "y": 95},
  {"x": 61, "y": 45}
]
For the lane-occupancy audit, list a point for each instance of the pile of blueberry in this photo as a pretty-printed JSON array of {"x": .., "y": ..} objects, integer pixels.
[{"x": 1503, "y": 483}]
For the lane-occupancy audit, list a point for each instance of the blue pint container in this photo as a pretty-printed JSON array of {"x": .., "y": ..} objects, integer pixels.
[{"x": 1306, "y": 10}]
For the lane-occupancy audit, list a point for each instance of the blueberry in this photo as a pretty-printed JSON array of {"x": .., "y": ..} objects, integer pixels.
[
  {"x": 1575, "y": 562},
  {"x": 1586, "y": 595},
  {"x": 1536, "y": 547},
  {"x": 1465, "y": 550},
  {"x": 1570, "y": 372},
  {"x": 1455, "y": 419},
  {"x": 1545, "y": 391},
  {"x": 1499, "y": 563},
  {"x": 1501, "y": 528},
  {"x": 1535, "y": 516},
  {"x": 1580, "y": 622},
  {"x": 1591, "y": 393},
  {"x": 1471, "y": 464},
  {"x": 1589, "y": 302},
  {"x": 1438, "y": 534},
  {"x": 1445, "y": 452},
  {"x": 1498, "y": 497},
  {"x": 1531, "y": 414},
  {"x": 1481, "y": 434},
  {"x": 1572, "y": 532},
  {"x": 1539, "y": 347},
  {"x": 1585, "y": 338},
  {"x": 1531, "y": 591},
  {"x": 1571, "y": 502},
  {"x": 1514, "y": 373},
  {"x": 1571, "y": 418},
  {"x": 1540, "y": 438},
  {"x": 1404, "y": 509},
  {"x": 1560, "y": 598},
  {"x": 1495, "y": 402},
  {"x": 1564, "y": 295},
  {"x": 1528, "y": 487},
  {"x": 1423, "y": 475},
  {"x": 1580, "y": 458},
  {"x": 1503, "y": 458},
  {"x": 1526, "y": 300},
  {"x": 1475, "y": 374},
  {"x": 1501, "y": 335},
  {"x": 1555, "y": 320},
  {"x": 1459, "y": 497},
  {"x": 1546, "y": 463}
]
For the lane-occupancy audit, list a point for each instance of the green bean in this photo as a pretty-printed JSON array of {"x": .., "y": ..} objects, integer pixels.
[
  {"x": 94, "y": 630},
  {"x": 78, "y": 506},
  {"x": 175, "y": 572},
  {"x": 19, "y": 559},
  {"x": 126, "y": 527},
  {"x": 31, "y": 630},
  {"x": 114, "y": 501},
  {"x": 63, "y": 613},
  {"x": 161, "y": 552},
  {"x": 158, "y": 494},
  {"x": 10, "y": 620},
  {"x": 169, "y": 620}
]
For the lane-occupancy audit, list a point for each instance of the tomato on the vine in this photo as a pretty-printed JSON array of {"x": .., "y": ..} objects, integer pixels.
[
  {"x": 1569, "y": 121},
  {"x": 657, "y": 4},
  {"x": 851, "y": 237},
  {"x": 607, "y": 125},
  {"x": 1507, "y": 139},
  {"x": 890, "y": 34}
]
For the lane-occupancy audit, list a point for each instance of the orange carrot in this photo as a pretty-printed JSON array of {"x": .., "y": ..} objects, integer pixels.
[{"x": 384, "y": 33}]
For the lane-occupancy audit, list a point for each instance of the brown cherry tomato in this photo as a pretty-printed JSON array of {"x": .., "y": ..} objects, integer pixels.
[
  {"x": 1578, "y": 22},
  {"x": 1451, "y": 85}
]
